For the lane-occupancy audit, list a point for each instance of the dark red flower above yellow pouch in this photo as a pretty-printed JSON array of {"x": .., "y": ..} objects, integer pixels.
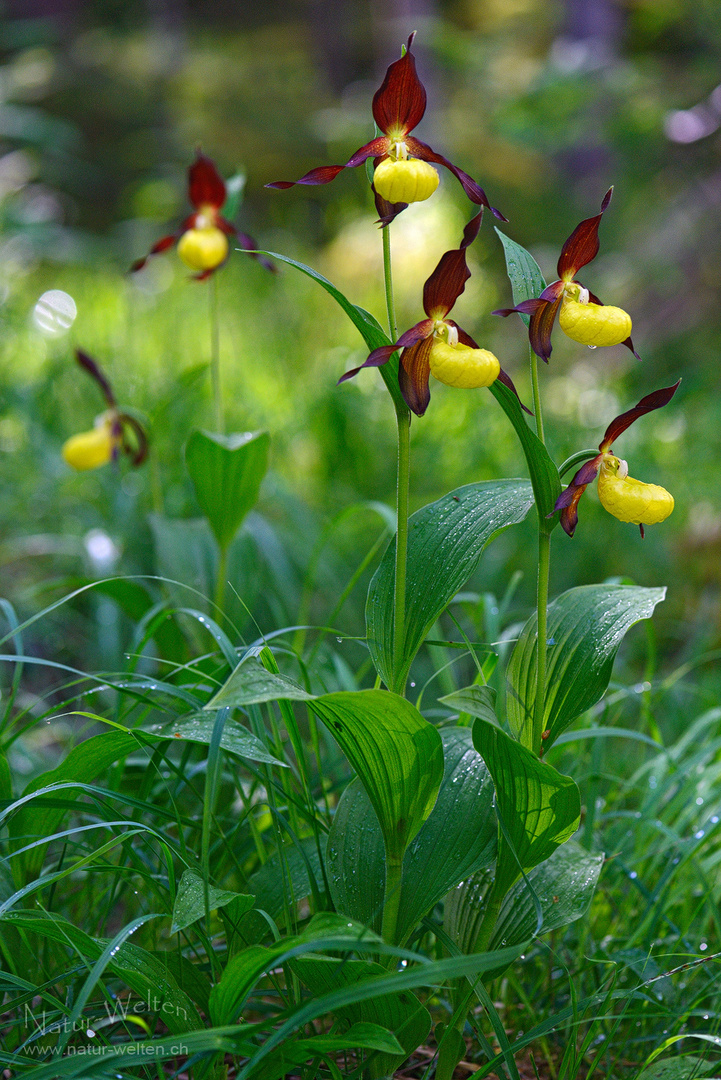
[
  {"x": 113, "y": 433},
  {"x": 404, "y": 170},
  {"x": 203, "y": 237},
  {"x": 627, "y": 499},
  {"x": 582, "y": 316},
  {"x": 437, "y": 345}
]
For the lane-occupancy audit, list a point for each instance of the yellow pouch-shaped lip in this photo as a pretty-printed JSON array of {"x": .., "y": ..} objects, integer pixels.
[
  {"x": 203, "y": 249},
  {"x": 405, "y": 181},
  {"x": 594, "y": 324},
  {"x": 463, "y": 367},
  {"x": 632, "y": 500},
  {"x": 90, "y": 449}
]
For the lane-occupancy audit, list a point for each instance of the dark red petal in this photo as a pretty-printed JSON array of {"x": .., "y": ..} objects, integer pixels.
[
  {"x": 655, "y": 400},
  {"x": 540, "y": 326},
  {"x": 629, "y": 345},
  {"x": 138, "y": 452},
  {"x": 205, "y": 184},
  {"x": 567, "y": 501},
  {"x": 93, "y": 369},
  {"x": 323, "y": 174},
  {"x": 449, "y": 278},
  {"x": 474, "y": 192},
  {"x": 413, "y": 374},
  {"x": 400, "y": 102},
  {"x": 553, "y": 291},
  {"x": 505, "y": 378},
  {"x": 225, "y": 226},
  {"x": 247, "y": 241},
  {"x": 569, "y": 514},
  {"x": 380, "y": 356},
  {"x": 376, "y": 148},
  {"x": 582, "y": 245},
  {"x": 526, "y": 307},
  {"x": 162, "y": 245},
  {"x": 205, "y": 274},
  {"x": 387, "y": 212}
]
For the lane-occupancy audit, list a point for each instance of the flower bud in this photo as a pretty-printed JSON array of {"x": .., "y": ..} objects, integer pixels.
[
  {"x": 203, "y": 249},
  {"x": 405, "y": 181},
  {"x": 90, "y": 449},
  {"x": 631, "y": 500},
  {"x": 594, "y": 324},
  {"x": 461, "y": 366}
]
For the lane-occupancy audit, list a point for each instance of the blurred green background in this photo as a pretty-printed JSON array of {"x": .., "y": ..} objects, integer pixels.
[{"x": 545, "y": 103}]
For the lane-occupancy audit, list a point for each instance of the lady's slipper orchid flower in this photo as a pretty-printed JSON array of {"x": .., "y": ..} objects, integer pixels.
[
  {"x": 627, "y": 499},
  {"x": 438, "y": 346},
  {"x": 203, "y": 237},
  {"x": 582, "y": 316},
  {"x": 403, "y": 169},
  {"x": 113, "y": 432}
]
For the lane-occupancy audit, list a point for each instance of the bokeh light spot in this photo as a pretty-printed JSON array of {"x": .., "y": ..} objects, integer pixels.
[{"x": 54, "y": 313}]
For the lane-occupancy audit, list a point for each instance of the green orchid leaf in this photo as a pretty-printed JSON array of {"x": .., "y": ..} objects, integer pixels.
[
  {"x": 401, "y": 1013},
  {"x": 250, "y": 684},
  {"x": 527, "y": 282},
  {"x": 561, "y": 888},
  {"x": 445, "y": 542},
  {"x": 239, "y": 977},
  {"x": 585, "y": 628},
  {"x": 227, "y": 471},
  {"x": 685, "y": 1067},
  {"x": 368, "y": 327},
  {"x": 396, "y": 754},
  {"x": 189, "y": 903},
  {"x": 458, "y": 838},
  {"x": 326, "y": 930},
  {"x": 538, "y": 808},
  {"x": 355, "y": 858},
  {"x": 476, "y": 700},
  {"x": 235, "y": 738},
  {"x": 543, "y": 472},
  {"x": 363, "y": 1036},
  {"x": 524, "y": 273}
]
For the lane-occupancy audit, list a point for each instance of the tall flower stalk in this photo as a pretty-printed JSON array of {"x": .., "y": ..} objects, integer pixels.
[
  {"x": 403, "y": 423},
  {"x": 215, "y": 378}
]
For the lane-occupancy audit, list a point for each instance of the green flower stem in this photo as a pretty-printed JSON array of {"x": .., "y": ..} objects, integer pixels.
[
  {"x": 388, "y": 280},
  {"x": 403, "y": 420},
  {"x": 215, "y": 354},
  {"x": 391, "y": 901},
  {"x": 220, "y": 579},
  {"x": 544, "y": 563},
  {"x": 403, "y": 491},
  {"x": 490, "y": 918},
  {"x": 537, "y": 397}
]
